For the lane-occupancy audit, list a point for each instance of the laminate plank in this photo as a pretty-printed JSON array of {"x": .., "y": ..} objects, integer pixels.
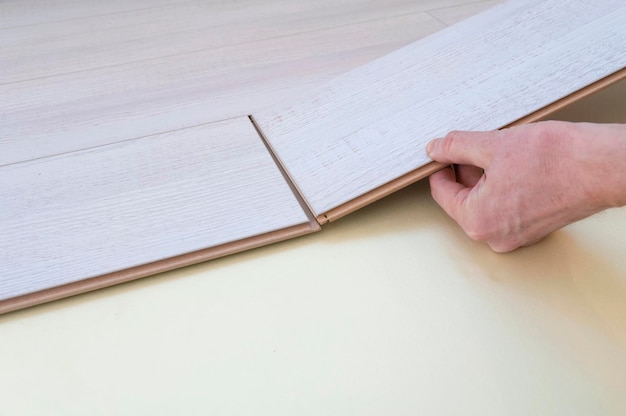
[
  {"x": 16, "y": 13},
  {"x": 371, "y": 125},
  {"x": 453, "y": 14},
  {"x": 73, "y": 217},
  {"x": 594, "y": 108},
  {"x": 79, "y": 110},
  {"x": 88, "y": 43},
  {"x": 58, "y": 48}
]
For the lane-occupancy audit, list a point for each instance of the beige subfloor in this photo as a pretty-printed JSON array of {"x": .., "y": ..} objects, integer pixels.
[{"x": 391, "y": 310}]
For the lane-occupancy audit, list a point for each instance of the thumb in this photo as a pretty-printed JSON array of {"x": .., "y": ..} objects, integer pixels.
[{"x": 464, "y": 148}]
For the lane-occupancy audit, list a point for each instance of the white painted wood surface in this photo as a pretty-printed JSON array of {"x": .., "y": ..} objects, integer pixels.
[
  {"x": 79, "y": 74},
  {"x": 454, "y": 14},
  {"x": 88, "y": 213},
  {"x": 78, "y": 82},
  {"x": 371, "y": 125},
  {"x": 97, "y": 74},
  {"x": 390, "y": 311},
  {"x": 15, "y": 13},
  {"x": 176, "y": 29}
]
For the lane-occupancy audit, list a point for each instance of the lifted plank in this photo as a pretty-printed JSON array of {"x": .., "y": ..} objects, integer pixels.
[{"x": 370, "y": 127}]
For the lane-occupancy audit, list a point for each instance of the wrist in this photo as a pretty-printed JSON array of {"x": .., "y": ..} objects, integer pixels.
[{"x": 601, "y": 148}]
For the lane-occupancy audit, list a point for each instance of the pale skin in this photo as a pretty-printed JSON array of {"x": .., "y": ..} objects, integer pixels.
[{"x": 511, "y": 188}]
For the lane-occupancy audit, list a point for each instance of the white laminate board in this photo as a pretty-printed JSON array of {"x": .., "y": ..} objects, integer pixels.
[
  {"x": 20, "y": 13},
  {"x": 78, "y": 110},
  {"x": 17, "y": 13},
  {"x": 454, "y": 14},
  {"x": 48, "y": 49},
  {"x": 88, "y": 213},
  {"x": 371, "y": 125}
]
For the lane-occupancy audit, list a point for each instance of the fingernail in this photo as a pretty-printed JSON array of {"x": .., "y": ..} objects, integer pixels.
[{"x": 429, "y": 147}]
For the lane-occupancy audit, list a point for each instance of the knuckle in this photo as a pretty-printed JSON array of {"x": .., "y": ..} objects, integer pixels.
[
  {"x": 477, "y": 234},
  {"x": 434, "y": 187},
  {"x": 502, "y": 246},
  {"x": 552, "y": 129},
  {"x": 453, "y": 135},
  {"x": 478, "y": 230},
  {"x": 435, "y": 184},
  {"x": 452, "y": 138}
]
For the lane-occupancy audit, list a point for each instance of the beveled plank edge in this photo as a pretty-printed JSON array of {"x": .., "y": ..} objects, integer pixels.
[
  {"x": 334, "y": 214},
  {"x": 161, "y": 266},
  {"x": 432, "y": 167},
  {"x": 304, "y": 204},
  {"x": 572, "y": 98},
  {"x": 380, "y": 192}
]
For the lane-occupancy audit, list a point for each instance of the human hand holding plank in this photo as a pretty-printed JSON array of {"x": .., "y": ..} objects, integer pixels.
[{"x": 512, "y": 187}]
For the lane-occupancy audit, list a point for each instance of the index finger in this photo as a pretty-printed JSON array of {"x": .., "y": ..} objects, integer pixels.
[
  {"x": 448, "y": 193},
  {"x": 464, "y": 148}
]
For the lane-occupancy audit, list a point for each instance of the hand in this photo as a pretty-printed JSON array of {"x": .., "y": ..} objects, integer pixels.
[{"x": 512, "y": 187}]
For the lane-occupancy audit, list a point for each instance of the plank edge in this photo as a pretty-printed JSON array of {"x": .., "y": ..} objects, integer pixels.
[
  {"x": 293, "y": 186},
  {"x": 432, "y": 167},
  {"x": 150, "y": 269},
  {"x": 380, "y": 192}
]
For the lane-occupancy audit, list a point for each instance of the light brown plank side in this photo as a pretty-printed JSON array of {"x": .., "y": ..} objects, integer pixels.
[
  {"x": 432, "y": 167},
  {"x": 123, "y": 276},
  {"x": 370, "y": 126},
  {"x": 187, "y": 195}
]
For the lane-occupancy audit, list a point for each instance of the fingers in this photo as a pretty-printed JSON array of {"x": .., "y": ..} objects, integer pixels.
[
  {"x": 468, "y": 176},
  {"x": 447, "y": 192},
  {"x": 463, "y": 148}
]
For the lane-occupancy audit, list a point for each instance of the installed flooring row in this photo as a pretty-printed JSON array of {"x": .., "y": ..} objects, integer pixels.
[{"x": 126, "y": 148}]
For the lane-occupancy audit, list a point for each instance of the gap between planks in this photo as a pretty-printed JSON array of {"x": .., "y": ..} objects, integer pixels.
[
  {"x": 131, "y": 274},
  {"x": 290, "y": 182}
]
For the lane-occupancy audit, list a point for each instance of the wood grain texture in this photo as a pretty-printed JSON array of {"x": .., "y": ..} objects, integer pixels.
[
  {"x": 592, "y": 94},
  {"x": 149, "y": 77},
  {"x": 175, "y": 29},
  {"x": 371, "y": 125},
  {"x": 453, "y": 14},
  {"x": 79, "y": 83},
  {"x": 79, "y": 74},
  {"x": 149, "y": 269},
  {"x": 73, "y": 217},
  {"x": 16, "y": 13}
]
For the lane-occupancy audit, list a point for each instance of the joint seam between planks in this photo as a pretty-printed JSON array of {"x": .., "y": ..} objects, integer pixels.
[{"x": 285, "y": 173}]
